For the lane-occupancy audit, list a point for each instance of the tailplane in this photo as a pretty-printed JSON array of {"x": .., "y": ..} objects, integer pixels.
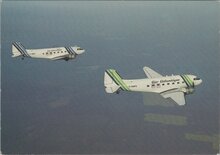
[
  {"x": 19, "y": 50},
  {"x": 113, "y": 81}
]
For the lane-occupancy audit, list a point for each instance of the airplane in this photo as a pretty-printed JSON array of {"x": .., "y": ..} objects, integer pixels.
[
  {"x": 56, "y": 53},
  {"x": 174, "y": 86}
]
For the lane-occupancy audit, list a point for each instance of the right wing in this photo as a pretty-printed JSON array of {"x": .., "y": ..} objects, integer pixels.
[
  {"x": 177, "y": 96},
  {"x": 151, "y": 73}
]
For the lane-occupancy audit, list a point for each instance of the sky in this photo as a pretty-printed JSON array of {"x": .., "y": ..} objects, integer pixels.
[{"x": 62, "y": 107}]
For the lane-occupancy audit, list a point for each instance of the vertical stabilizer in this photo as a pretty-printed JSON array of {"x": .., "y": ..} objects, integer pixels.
[
  {"x": 113, "y": 81},
  {"x": 110, "y": 85},
  {"x": 19, "y": 50}
]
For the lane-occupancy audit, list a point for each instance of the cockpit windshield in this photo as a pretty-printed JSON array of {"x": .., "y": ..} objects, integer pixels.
[
  {"x": 196, "y": 78},
  {"x": 79, "y": 48}
]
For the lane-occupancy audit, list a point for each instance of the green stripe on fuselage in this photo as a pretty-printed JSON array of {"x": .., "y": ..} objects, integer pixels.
[
  {"x": 120, "y": 80},
  {"x": 184, "y": 79},
  {"x": 188, "y": 80},
  {"x": 191, "y": 82},
  {"x": 110, "y": 74},
  {"x": 117, "y": 78}
]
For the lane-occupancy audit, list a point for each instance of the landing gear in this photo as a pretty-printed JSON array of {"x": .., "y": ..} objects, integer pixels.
[
  {"x": 22, "y": 58},
  {"x": 118, "y": 91},
  {"x": 66, "y": 59}
]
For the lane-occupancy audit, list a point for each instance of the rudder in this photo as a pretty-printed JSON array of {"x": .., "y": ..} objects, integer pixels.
[{"x": 110, "y": 85}]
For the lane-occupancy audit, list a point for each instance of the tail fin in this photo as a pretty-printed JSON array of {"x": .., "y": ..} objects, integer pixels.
[
  {"x": 18, "y": 50},
  {"x": 113, "y": 81}
]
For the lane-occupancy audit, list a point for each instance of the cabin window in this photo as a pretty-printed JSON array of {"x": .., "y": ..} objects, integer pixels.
[
  {"x": 43, "y": 53},
  {"x": 61, "y": 51},
  {"x": 158, "y": 84},
  {"x": 173, "y": 83},
  {"x": 178, "y": 82},
  {"x": 153, "y": 85},
  {"x": 50, "y": 52},
  {"x": 183, "y": 82},
  {"x": 168, "y": 83},
  {"x": 46, "y": 53},
  {"x": 54, "y": 52},
  {"x": 163, "y": 84},
  {"x": 148, "y": 86},
  {"x": 58, "y": 52}
]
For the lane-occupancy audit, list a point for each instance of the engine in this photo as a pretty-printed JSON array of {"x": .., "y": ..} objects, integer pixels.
[
  {"x": 71, "y": 56},
  {"x": 189, "y": 90}
]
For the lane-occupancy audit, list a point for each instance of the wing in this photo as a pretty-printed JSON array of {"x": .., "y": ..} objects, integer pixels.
[
  {"x": 151, "y": 73},
  {"x": 60, "y": 57},
  {"x": 177, "y": 96}
]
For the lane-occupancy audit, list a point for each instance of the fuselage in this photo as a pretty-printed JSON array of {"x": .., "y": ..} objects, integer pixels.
[
  {"x": 159, "y": 85},
  {"x": 55, "y": 53},
  {"x": 51, "y": 53},
  {"x": 48, "y": 53}
]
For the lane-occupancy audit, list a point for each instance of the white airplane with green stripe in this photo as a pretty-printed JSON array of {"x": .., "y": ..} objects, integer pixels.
[
  {"x": 56, "y": 53},
  {"x": 174, "y": 86}
]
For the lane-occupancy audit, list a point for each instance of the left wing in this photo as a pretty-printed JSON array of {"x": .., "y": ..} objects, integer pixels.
[
  {"x": 60, "y": 57},
  {"x": 177, "y": 96},
  {"x": 151, "y": 73}
]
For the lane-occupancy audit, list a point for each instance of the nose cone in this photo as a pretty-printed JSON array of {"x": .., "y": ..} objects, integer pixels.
[
  {"x": 80, "y": 51},
  {"x": 198, "y": 82}
]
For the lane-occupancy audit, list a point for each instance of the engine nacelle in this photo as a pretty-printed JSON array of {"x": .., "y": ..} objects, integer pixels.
[
  {"x": 71, "y": 56},
  {"x": 189, "y": 91}
]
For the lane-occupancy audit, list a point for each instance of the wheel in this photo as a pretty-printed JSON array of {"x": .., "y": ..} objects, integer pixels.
[{"x": 118, "y": 91}]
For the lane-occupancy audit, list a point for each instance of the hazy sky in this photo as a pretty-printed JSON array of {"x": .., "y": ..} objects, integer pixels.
[{"x": 61, "y": 107}]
